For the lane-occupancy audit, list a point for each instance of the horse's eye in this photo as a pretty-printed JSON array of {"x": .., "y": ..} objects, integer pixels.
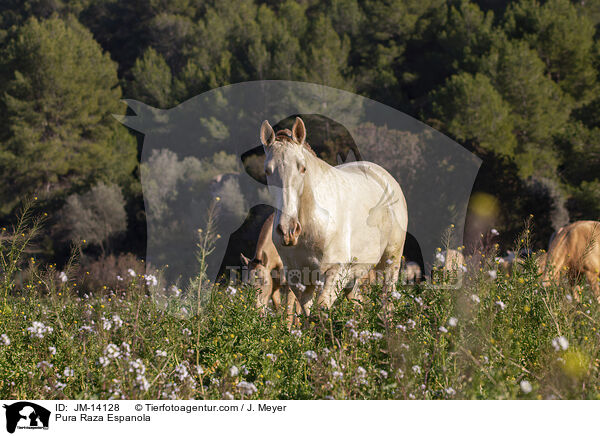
[
  {"x": 268, "y": 171},
  {"x": 302, "y": 169}
]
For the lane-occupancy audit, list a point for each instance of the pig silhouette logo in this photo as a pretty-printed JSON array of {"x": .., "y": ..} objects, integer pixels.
[{"x": 26, "y": 415}]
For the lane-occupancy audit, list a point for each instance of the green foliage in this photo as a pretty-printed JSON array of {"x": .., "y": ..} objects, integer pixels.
[
  {"x": 57, "y": 131},
  {"x": 475, "y": 112},
  {"x": 152, "y": 80},
  {"x": 564, "y": 40}
]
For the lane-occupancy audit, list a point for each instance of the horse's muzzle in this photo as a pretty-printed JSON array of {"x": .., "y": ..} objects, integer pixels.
[{"x": 290, "y": 231}]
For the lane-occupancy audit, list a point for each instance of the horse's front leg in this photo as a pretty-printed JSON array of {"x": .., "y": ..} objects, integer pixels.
[
  {"x": 388, "y": 272},
  {"x": 336, "y": 278},
  {"x": 304, "y": 296}
]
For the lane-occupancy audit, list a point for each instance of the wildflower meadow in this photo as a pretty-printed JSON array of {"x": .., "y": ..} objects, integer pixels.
[{"x": 494, "y": 336}]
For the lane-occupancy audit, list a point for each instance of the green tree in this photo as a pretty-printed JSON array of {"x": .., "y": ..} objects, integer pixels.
[
  {"x": 472, "y": 111},
  {"x": 540, "y": 107},
  {"x": 57, "y": 131},
  {"x": 151, "y": 80},
  {"x": 563, "y": 39}
]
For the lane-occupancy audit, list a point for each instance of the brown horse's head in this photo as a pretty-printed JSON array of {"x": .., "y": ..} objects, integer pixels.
[{"x": 259, "y": 276}]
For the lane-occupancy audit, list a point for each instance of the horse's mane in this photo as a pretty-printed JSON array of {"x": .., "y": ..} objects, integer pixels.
[{"x": 286, "y": 135}]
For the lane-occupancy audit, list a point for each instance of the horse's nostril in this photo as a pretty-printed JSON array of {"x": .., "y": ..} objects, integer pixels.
[
  {"x": 297, "y": 229},
  {"x": 280, "y": 229}
]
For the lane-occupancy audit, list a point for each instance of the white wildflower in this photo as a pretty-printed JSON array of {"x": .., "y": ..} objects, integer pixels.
[
  {"x": 364, "y": 336},
  {"x": 475, "y": 299},
  {"x": 68, "y": 372},
  {"x": 440, "y": 257},
  {"x": 246, "y": 388},
  {"x": 443, "y": 329},
  {"x": 501, "y": 304},
  {"x": 63, "y": 277},
  {"x": 296, "y": 333},
  {"x": 181, "y": 372},
  {"x": 272, "y": 357},
  {"x": 118, "y": 322},
  {"x": 351, "y": 324},
  {"x": 450, "y": 391},
  {"x": 234, "y": 371},
  {"x": 361, "y": 375},
  {"x": 151, "y": 280},
  {"x": 396, "y": 295},
  {"x": 125, "y": 350},
  {"x": 231, "y": 291},
  {"x": 161, "y": 353},
  {"x": 44, "y": 364},
  {"x": 453, "y": 322},
  {"x": 38, "y": 329},
  {"x": 493, "y": 274},
  {"x": 112, "y": 351},
  {"x": 4, "y": 339},
  {"x": 310, "y": 355},
  {"x": 106, "y": 323},
  {"x": 525, "y": 386},
  {"x": 337, "y": 375},
  {"x": 416, "y": 369},
  {"x": 494, "y": 232},
  {"x": 411, "y": 324},
  {"x": 52, "y": 350},
  {"x": 300, "y": 287},
  {"x": 560, "y": 343},
  {"x": 383, "y": 373},
  {"x": 401, "y": 327},
  {"x": 131, "y": 272},
  {"x": 186, "y": 331}
]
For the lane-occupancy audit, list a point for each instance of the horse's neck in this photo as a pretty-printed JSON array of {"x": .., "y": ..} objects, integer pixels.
[
  {"x": 319, "y": 179},
  {"x": 265, "y": 243},
  {"x": 317, "y": 174}
]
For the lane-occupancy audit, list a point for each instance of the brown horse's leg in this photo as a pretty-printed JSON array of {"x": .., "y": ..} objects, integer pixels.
[
  {"x": 276, "y": 297},
  {"x": 292, "y": 308},
  {"x": 592, "y": 278}
]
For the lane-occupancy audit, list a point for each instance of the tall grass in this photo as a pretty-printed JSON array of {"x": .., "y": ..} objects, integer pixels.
[{"x": 507, "y": 337}]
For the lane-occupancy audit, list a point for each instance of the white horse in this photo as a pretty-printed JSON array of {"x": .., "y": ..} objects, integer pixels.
[{"x": 338, "y": 222}]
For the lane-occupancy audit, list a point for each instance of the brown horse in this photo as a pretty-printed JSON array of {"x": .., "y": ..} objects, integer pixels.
[
  {"x": 576, "y": 251},
  {"x": 265, "y": 272}
]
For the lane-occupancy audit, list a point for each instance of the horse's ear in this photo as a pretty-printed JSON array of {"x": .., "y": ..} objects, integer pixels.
[
  {"x": 244, "y": 259},
  {"x": 267, "y": 135},
  {"x": 264, "y": 259},
  {"x": 299, "y": 131}
]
